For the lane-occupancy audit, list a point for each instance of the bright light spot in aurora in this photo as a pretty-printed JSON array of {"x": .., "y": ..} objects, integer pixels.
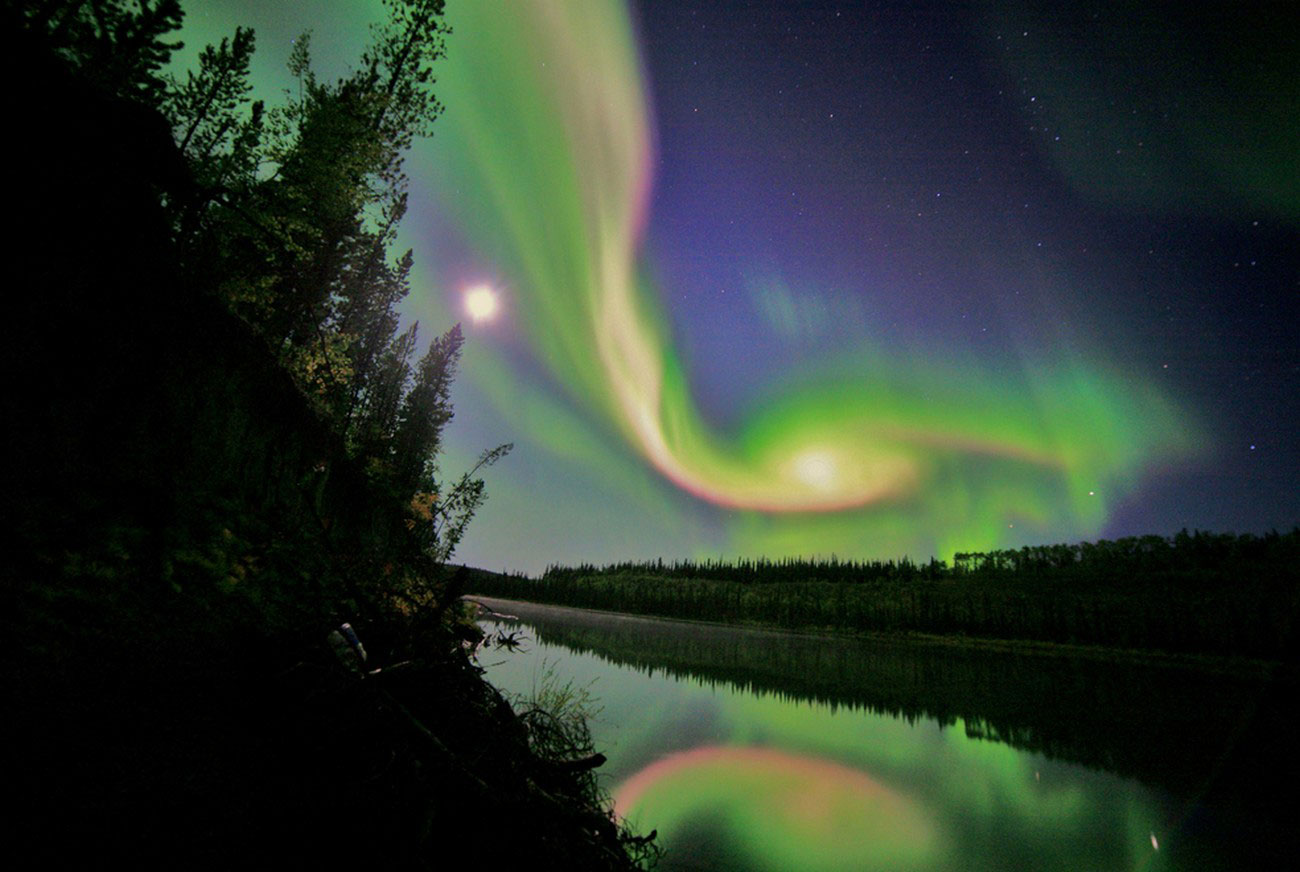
[
  {"x": 481, "y": 303},
  {"x": 816, "y": 468},
  {"x": 882, "y": 450}
]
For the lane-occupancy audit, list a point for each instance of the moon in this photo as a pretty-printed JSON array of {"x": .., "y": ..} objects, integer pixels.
[{"x": 481, "y": 303}]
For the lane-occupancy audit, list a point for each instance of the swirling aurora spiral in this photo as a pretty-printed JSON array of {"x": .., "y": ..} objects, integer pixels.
[{"x": 545, "y": 153}]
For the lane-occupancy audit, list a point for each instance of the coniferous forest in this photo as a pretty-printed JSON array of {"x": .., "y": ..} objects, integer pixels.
[
  {"x": 1193, "y": 593},
  {"x": 219, "y": 448}
]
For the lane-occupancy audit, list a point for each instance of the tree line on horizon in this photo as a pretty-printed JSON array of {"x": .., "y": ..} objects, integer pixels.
[
  {"x": 1194, "y": 551},
  {"x": 1195, "y": 592}
]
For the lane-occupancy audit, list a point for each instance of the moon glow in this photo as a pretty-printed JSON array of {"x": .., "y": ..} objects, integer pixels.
[{"x": 481, "y": 303}]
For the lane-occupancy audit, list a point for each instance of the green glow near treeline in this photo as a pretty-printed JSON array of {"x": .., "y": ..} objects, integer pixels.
[{"x": 547, "y": 152}]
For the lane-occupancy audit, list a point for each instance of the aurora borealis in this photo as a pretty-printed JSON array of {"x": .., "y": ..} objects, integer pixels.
[{"x": 842, "y": 278}]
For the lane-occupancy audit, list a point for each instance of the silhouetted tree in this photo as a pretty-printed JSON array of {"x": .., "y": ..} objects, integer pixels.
[
  {"x": 216, "y": 128},
  {"x": 289, "y": 215},
  {"x": 426, "y": 410},
  {"x": 298, "y": 206},
  {"x": 118, "y": 45}
]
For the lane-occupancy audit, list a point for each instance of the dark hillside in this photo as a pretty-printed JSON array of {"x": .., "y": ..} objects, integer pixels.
[{"x": 183, "y": 531}]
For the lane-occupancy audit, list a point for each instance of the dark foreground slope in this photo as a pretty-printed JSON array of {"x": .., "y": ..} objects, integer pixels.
[{"x": 182, "y": 533}]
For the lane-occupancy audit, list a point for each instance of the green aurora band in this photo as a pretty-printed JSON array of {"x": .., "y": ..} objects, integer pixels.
[{"x": 545, "y": 155}]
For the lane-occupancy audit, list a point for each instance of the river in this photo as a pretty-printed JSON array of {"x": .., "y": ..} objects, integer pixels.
[{"x": 751, "y": 749}]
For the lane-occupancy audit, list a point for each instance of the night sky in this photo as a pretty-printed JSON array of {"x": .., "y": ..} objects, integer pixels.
[{"x": 871, "y": 279}]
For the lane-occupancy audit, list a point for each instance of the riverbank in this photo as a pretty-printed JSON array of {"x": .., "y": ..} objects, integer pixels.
[
  {"x": 1250, "y": 668},
  {"x": 1193, "y": 595}
]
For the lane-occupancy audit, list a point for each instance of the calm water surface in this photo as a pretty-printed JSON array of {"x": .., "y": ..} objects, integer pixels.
[{"x": 758, "y": 750}]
